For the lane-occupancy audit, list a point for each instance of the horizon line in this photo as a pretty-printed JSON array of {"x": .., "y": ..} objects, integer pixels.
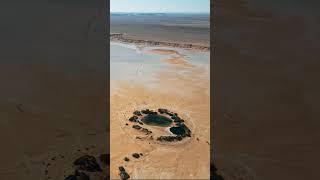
[{"x": 158, "y": 12}]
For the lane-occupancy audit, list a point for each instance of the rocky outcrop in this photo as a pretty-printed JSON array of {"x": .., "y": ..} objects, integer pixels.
[
  {"x": 136, "y": 155},
  {"x": 121, "y": 38},
  {"x": 123, "y": 174}
]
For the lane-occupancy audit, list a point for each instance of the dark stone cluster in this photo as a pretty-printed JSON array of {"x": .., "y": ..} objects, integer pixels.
[
  {"x": 144, "y": 130},
  {"x": 136, "y": 155},
  {"x": 147, "y": 111},
  {"x": 179, "y": 129},
  {"x": 134, "y": 119},
  {"x": 169, "y": 138},
  {"x": 123, "y": 174}
]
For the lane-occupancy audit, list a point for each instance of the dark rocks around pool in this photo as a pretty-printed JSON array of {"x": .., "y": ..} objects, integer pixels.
[
  {"x": 133, "y": 119},
  {"x": 137, "y": 127},
  {"x": 87, "y": 163},
  {"x": 162, "y": 111},
  {"x": 146, "y": 111},
  {"x": 123, "y": 174},
  {"x": 145, "y": 130},
  {"x": 137, "y": 113},
  {"x": 169, "y": 138}
]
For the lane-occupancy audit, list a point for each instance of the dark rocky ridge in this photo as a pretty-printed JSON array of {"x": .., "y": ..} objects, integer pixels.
[{"x": 121, "y": 38}]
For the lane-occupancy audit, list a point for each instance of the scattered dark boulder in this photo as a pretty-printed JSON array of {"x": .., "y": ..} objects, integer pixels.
[
  {"x": 136, "y": 155},
  {"x": 133, "y": 118},
  {"x": 140, "y": 122},
  {"x": 123, "y": 174},
  {"x": 141, "y": 154},
  {"x": 137, "y": 113},
  {"x": 126, "y": 159},
  {"x": 87, "y": 163},
  {"x": 127, "y": 124},
  {"x": 137, "y": 127},
  {"x": 121, "y": 168},
  {"x": 105, "y": 159}
]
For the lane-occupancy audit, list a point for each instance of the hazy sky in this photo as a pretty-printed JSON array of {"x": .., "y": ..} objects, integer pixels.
[{"x": 194, "y": 6}]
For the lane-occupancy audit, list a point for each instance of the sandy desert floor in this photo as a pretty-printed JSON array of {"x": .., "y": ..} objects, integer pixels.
[{"x": 181, "y": 88}]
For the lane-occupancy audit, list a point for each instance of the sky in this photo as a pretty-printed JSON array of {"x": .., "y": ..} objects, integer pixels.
[{"x": 160, "y": 6}]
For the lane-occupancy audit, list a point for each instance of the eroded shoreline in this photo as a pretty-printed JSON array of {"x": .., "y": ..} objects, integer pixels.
[{"x": 120, "y": 37}]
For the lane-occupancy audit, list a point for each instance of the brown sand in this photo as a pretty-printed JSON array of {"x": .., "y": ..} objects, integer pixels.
[
  {"x": 265, "y": 92},
  {"x": 53, "y": 87},
  {"x": 185, "y": 94}
]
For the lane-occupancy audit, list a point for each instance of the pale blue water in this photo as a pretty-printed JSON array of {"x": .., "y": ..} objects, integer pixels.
[
  {"x": 130, "y": 64},
  {"x": 127, "y": 63}
]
